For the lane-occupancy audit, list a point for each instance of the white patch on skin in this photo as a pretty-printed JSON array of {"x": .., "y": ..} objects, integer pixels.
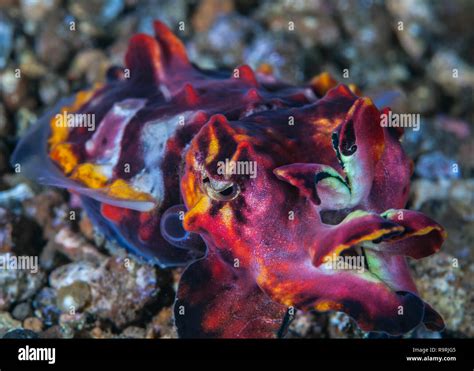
[
  {"x": 112, "y": 128},
  {"x": 154, "y": 136},
  {"x": 308, "y": 92}
]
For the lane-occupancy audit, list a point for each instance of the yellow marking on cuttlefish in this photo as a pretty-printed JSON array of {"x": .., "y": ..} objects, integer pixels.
[
  {"x": 265, "y": 68},
  {"x": 323, "y": 82},
  {"x": 90, "y": 175},
  {"x": 429, "y": 229},
  {"x": 64, "y": 156},
  {"x": 325, "y": 125},
  {"x": 355, "y": 89},
  {"x": 213, "y": 148},
  {"x": 370, "y": 237},
  {"x": 121, "y": 189},
  {"x": 283, "y": 292},
  {"x": 201, "y": 207},
  {"x": 59, "y": 133},
  {"x": 226, "y": 214},
  {"x": 191, "y": 191},
  {"x": 240, "y": 147},
  {"x": 325, "y": 305},
  {"x": 243, "y": 138},
  {"x": 324, "y": 122}
]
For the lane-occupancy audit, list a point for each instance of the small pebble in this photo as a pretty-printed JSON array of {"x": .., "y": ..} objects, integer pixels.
[
  {"x": 74, "y": 297},
  {"x": 33, "y": 324},
  {"x": 21, "y": 311},
  {"x": 7, "y": 323}
]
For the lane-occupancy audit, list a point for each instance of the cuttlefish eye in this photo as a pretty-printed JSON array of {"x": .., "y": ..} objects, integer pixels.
[
  {"x": 171, "y": 226},
  {"x": 220, "y": 190}
]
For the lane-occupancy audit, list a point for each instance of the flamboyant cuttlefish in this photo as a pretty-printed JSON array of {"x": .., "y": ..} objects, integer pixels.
[{"x": 253, "y": 184}]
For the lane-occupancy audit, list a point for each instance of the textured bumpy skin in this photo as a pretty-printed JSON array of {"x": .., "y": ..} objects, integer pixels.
[{"x": 330, "y": 181}]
